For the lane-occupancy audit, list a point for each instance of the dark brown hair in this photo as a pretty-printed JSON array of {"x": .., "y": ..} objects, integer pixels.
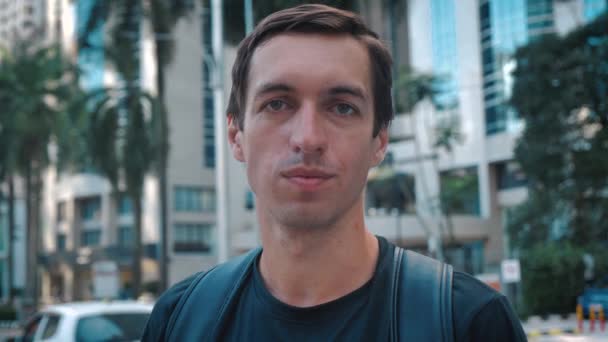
[{"x": 316, "y": 19}]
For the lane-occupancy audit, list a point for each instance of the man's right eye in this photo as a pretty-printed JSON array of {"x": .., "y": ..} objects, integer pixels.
[{"x": 276, "y": 105}]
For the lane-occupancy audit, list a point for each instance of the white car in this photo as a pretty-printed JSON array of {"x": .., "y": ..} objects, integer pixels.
[{"x": 89, "y": 321}]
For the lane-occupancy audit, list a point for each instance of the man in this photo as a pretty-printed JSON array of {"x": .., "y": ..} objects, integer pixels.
[{"x": 308, "y": 116}]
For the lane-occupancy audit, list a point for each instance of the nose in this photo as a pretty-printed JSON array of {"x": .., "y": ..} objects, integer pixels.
[{"x": 308, "y": 134}]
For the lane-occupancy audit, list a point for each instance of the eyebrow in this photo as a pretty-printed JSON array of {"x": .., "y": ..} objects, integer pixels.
[
  {"x": 272, "y": 87},
  {"x": 348, "y": 90}
]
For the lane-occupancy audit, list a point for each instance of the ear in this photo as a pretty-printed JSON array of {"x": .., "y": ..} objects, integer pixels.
[
  {"x": 234, "y": 138},
  {"x": 381, "y": 143}
]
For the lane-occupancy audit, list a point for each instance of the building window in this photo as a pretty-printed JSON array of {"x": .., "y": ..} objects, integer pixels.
[
  {"x": 192, "y": 237},
  {"x": 511, "y": 24},
  {"x": 509, "y": 175},
  {"x": 593, "y": 8},
  {"x": 3, "y": 220},
  {"x": 445, "y": 53},
  {"x": 90, "y": 208},
  {"x": 390, "y": 190},
  {"x": 91, "y": 238},
  {"x": 91, "y": 60},
  {"x": 61, "y": 211},
  {"x": 125, "y": 205},
  {"x": 460, "y": 191},
  {"x": 61, "y": 242},
  {"x": 249, "y": 200},
  {"x": 125, "y": 236},
  {"x": 466, "y": 257},
  {"x": 193, "y": 199}
]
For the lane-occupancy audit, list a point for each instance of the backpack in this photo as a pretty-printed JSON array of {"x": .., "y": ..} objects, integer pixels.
[{"x": 421, "y": 297}]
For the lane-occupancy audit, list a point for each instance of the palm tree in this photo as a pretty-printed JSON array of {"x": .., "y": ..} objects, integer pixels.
[
  {"x": 7, "y": 165},
  {"x": 36, "y": 86},
  {"x": 123, "y": 146},
  {"x": 125, "y": 121},
  {"x": 163, "y": 16}
]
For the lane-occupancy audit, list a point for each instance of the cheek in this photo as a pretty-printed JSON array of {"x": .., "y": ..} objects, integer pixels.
[
  {"x": 260, "y": 162},
  {"x": 362, "y": 155}
]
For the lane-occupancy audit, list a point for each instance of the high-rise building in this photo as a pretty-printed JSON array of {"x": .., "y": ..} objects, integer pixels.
[
  {"x": 20, "y": 20},
  {"x": 469, "y": 45}
]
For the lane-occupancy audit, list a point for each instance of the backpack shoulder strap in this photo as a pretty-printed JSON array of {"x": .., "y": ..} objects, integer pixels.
[
  {"x": 421, "y": 298},
  {"x": 201, "y": 309}
]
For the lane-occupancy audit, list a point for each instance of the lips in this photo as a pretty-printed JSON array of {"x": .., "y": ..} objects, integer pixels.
[{"x": 307, "y": 179}]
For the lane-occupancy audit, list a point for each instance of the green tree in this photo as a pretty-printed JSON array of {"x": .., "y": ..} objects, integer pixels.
[
  {"x": 560, "y": 92},
  {"x": 412, "y": 89},
  {"x": 36, "y": 86},
  {"x": 7, "y": 162},
  {"x": 552, "y": 278}
]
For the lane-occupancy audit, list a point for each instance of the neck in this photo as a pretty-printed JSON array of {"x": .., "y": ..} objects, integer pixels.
[{"x": 308, "y": 267}]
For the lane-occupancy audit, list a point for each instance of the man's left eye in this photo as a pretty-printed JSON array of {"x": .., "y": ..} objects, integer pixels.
[{"x": 344, "y": 109}]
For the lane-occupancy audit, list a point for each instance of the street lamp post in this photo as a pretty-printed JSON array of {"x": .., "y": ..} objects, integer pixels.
[{"x": 220, "y": 132}]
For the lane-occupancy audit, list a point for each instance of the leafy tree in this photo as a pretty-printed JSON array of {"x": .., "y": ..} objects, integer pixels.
[
  {"x": 551, "y": 278},
  {"x": 560, "y": 91},
  {"x": 389, "y": 188}
]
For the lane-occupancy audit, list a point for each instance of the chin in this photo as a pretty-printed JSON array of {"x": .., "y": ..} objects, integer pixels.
[{"x": 297, "y": 218}]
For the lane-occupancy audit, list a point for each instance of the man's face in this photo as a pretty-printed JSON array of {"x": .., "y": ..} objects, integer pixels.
[{"x": 307, "y": 138}]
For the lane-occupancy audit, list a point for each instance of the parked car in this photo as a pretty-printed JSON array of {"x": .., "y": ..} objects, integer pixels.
[
  {"x": 596, "y": 294},
  {"x": 88, "y": 321}
]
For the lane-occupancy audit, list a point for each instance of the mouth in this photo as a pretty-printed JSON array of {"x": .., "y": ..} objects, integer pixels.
[{"x": 307, "y": 179}]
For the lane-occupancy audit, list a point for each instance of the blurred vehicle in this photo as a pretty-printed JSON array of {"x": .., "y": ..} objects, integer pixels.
[
  {"x": 596, "y": 294},
  {"x": 88, "y": 321}
]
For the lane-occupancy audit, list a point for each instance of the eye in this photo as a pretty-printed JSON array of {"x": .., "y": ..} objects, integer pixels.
[
  {"x": 276, "y": 105},
  {"x": 344, "y": 109}
]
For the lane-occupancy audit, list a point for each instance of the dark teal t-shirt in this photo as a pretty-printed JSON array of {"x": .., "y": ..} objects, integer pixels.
[
  {"x": 479, "y": 312},
  {"x": 361, "y": 315}
]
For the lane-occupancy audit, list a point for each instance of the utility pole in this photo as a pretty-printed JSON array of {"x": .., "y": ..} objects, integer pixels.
[{"x": 221, "y": 185}]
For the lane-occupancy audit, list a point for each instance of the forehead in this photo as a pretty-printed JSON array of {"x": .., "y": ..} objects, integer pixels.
[{"x": 310, "y": 60}]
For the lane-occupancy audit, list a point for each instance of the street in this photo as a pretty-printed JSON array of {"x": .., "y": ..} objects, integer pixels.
[
  {"x": 556, "y": 328},
  {"x": 571, "y": 338}
]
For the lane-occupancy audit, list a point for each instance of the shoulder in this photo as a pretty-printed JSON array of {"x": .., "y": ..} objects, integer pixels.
[
  {"x": 481, "y": 313},
  {"x": 210, "y": 289},
  {"x": 165, "y": 305}
]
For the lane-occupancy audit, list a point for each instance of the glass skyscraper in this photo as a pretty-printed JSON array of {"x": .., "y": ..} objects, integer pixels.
[
  {"x": 91, "y": 59},
  {"x": 445, "y": 53},
  {"x": 593, "y": 8},
  {"x": 505, "y": 26}
]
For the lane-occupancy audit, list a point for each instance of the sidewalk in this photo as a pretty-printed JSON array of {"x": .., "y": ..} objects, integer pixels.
[{"x": 556, "y": 325}]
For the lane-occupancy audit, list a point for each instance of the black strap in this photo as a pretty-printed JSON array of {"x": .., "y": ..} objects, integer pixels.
[
  {"x": 208, "y": 299},
  {"x": 421, "y": 298}
]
